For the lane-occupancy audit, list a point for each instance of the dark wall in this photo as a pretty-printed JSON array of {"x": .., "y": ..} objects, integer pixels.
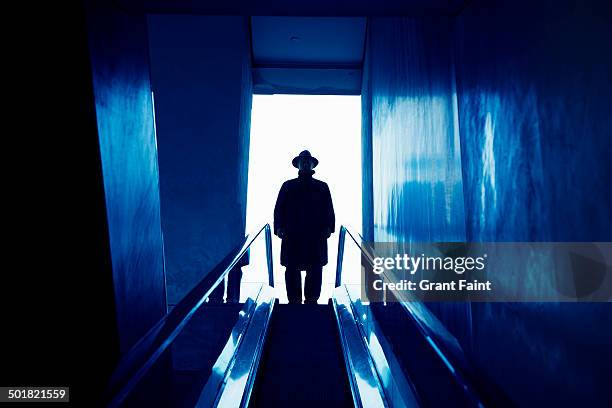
[
  {"x": 202, "y": 82},
  {"x": 55, "y": 231},
  {"x": 534, "y": 88},
  {"x": 525, "y": 90},
  {"x": 128, "y": 152},
  {"x": 68, "y": 257}
]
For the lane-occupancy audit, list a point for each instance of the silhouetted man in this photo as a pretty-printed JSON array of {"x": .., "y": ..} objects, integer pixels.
[{"x": 304, "y": 219}]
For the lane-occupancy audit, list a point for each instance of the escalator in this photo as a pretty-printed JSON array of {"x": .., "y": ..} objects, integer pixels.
[
  {"x": 260, "y": 353},
  {"x": 302, "y": 362}
]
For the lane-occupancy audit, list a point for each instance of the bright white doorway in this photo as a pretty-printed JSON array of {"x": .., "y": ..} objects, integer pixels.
[{"x": 329, "y": 126}]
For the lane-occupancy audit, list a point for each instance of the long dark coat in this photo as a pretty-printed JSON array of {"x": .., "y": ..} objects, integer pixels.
[{"x": 305, "y": 214}]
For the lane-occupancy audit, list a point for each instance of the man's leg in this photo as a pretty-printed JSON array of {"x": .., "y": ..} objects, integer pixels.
[
  {"x": 293, "y": 282},
  {"x": 314, "y": 276}
]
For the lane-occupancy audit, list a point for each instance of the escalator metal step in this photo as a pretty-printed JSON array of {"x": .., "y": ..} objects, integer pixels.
[{"x": 302, "y": 362}]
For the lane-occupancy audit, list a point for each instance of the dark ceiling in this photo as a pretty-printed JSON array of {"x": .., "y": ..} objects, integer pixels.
[
  {"x": 320, "y": 8},
  {"x": 304, "y": 46},
  {"x": 320, "y": 55}
]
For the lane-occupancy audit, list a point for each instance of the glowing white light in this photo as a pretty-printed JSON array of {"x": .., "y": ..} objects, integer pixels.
[{"x": 329, "y": 126}]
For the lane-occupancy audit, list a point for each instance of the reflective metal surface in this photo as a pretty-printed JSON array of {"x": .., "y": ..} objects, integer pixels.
[
  {"x": 166, "y": 350},
  {"x": 396, "y": 387},
  {"x": 396, "y": 384},
  {"x": 234, "y": 372},
  {"x": 365, "y": 384},
  {"x": 405, "y": 328}
]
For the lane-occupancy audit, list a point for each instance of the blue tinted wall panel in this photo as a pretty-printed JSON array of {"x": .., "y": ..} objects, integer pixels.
[
  {"x": 367, "y": 205},
  {"x": 534, "y": 88},
  {"x": 418, "y": 191},
  {"x": 124, "y": 111},
  {"x": 535, "y": 121},
  {"x": 244, "y": 130},
  {"x": 530, "y": 104},
  {"x": 416, "y": 158},
  {"x": 202, "y": 83}
]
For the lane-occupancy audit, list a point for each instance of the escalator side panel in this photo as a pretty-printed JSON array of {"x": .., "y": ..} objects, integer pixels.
[{"x": 365, "y": 383}]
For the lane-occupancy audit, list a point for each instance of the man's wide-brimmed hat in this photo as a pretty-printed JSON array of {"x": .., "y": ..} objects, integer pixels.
[{"x": 304, "y": 154}]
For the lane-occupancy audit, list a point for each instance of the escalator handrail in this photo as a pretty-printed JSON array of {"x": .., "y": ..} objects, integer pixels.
[
  {"x": 344, "y": 230},
  {"x": 143, "y": 355},
  {"x": 426, "y": 331}
]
